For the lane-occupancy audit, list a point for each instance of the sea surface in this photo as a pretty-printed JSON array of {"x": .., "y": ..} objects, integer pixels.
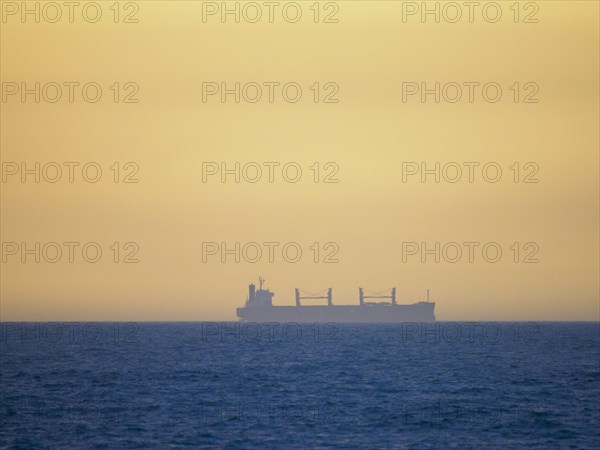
[{"x": 278, "y": 386}]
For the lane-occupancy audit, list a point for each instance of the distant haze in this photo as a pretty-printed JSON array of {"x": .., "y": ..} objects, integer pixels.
[{"x": 368, "y": 134}]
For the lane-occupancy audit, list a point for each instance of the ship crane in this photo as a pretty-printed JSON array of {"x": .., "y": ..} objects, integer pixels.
[
  {"x": 362, "y": 296},
  {"x": 314, "y": 297}
]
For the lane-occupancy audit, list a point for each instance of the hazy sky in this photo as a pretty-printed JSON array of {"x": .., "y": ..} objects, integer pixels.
[{"x": 368, "y": 135}]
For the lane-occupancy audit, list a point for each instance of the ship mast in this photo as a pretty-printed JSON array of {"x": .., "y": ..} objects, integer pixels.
[{"x": 261, "y": 281}]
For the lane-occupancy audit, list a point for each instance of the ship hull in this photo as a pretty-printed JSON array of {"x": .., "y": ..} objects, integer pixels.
[{"x": 377, "y": 313}]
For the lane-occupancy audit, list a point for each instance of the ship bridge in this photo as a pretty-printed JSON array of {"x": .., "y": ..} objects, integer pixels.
[{"x": 262, "y": 297}]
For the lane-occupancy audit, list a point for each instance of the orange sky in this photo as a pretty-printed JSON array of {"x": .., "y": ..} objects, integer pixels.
[{"x": 368, "y": 134}]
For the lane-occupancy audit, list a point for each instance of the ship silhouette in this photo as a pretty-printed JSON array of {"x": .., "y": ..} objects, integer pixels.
[{"x": 259, "y": 308}]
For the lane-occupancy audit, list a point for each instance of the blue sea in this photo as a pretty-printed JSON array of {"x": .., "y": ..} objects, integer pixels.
[{"x": 279, "y": 386}]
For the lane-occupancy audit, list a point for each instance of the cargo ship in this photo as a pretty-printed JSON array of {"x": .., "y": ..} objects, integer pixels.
[{"x": 259, "y": 308}]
